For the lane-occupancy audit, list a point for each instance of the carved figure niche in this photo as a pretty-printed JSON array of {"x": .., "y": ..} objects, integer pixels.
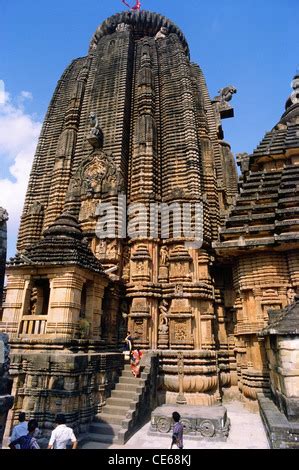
[{"x": 38, "y": 300}]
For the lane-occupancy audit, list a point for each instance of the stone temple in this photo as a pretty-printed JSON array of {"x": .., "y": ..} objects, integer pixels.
[{"x": 131, "y": 128}]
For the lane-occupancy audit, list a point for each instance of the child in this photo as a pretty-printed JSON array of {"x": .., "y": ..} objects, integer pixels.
[{"x": 178, "y": 428}]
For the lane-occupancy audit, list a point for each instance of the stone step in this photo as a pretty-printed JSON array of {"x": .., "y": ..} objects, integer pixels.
[
  {"x": 129, "y": 380},
  {"x": 117, "y": 401},
  {"x": 105, "y": 438},
  {"x": 110, "y": 419},
  {"x": 127, "y": 373},
  {"x": 128, "y": 387},
  {"x": 123, "y": 394},
  {"x": 117, "y": 410},
  {"x": 104, "y": 428}
]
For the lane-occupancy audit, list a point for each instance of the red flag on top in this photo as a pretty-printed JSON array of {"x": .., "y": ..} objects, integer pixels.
[{"x": 137, "y": 5}]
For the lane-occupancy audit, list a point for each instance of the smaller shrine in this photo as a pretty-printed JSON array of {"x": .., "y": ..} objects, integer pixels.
[{"x": 280, "y": 410}]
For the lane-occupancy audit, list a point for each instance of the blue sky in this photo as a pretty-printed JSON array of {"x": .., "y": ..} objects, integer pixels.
[{"x": 251, "y": 44}]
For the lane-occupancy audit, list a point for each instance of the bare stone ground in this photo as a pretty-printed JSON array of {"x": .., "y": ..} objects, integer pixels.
[{"x": 246, "y": 432}]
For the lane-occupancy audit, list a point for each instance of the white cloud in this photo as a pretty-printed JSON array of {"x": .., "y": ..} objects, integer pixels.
[
  {"x": 26, "y": 95},
  {"x": 19, "y": 133}
]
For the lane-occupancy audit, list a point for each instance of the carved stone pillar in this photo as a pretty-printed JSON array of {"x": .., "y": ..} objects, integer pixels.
[
  {"x": 139, "y": 319},
  {"x": 13, "y": 307},
  {"x": 180, "y": 261},
  {"x": 97, "y": 312},
  {"x": 141, "y": 266},
  {"x": 65, "y": 304}
]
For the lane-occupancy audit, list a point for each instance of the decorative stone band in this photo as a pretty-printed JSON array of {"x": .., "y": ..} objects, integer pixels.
[
  {"x": 200, "y": 372},
  {"x": 254, "y": 382}
]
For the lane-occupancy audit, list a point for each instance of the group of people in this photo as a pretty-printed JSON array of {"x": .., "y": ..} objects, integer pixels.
[
  {"x": 24, "y": 434},
  {"x": 135, "y": 355}
]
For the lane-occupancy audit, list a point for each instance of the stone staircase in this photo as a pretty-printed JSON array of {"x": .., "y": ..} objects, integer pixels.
[{"x": 114, "y": 425}]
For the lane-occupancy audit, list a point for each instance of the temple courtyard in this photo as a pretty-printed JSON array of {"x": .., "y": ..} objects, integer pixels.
[{"x": 246, "y": 432}]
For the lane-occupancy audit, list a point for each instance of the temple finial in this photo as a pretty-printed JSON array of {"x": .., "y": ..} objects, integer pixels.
[{"x": 136, "y": 7}]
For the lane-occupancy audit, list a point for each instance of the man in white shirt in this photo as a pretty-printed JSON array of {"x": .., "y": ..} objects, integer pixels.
[
  {"x": 20, "y": 429},
  {"x": 62, "y": 435}
]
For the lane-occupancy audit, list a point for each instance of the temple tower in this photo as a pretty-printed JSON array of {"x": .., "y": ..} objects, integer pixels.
[{"x": 130, "y": 128}]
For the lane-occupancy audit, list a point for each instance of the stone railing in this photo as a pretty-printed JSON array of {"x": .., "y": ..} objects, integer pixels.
[
  {"x": 33, "y": 325},
  {"x": 37, "y": 325}
]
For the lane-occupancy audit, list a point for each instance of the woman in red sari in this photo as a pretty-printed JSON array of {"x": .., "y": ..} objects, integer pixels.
[{"x": 135, "y": 362}]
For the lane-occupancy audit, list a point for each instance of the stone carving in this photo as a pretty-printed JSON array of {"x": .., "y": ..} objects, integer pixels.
[
  {"x": 162, "y": 34},
  {"x": 35, "y": 208},
  {"x": 164, "y": 424},
  {"x": 179, "y": 289},
  {"x": 84, "y": 328},
  {"x": 93, "y": 177},
  {"x": 88, "y": 208},
  {"x": 207, "y": 428},
  {"x": 138, "y": 329},
  {"x": 112, "y": 249},
  {"x": 96, "y": 175},
  {"x": 74, "y": 187},
  {"x": 121, "y": 27},
  {"x": 164, "y": 256},
  {"x": 188, "y": 425},
  {"x": 227, "y": 93},
  {"x": 33, "y": 301},
  {"x": 243, "y": 161},
  {"x": 3, "y": 215},
  {"x": 100, "y": 250},
  {"x": 140, "y": 267},
  {"x": 95, "y": 137},
  {"x": 200, "y": 422},
  {"x": 163, "y": 320},
  {"x": 181, "y": 400},
  {"x": 180, "y": 331}
]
